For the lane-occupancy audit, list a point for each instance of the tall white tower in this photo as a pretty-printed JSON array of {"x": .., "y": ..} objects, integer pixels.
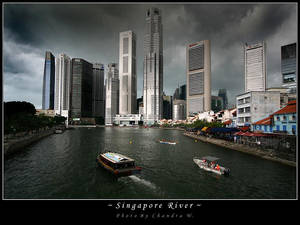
[
  {"x": 153, "y": 67},
  {"x": 198, "y": 70},
  {"x": 62, "y": 84},
  {"x": 255, "y": 67},
  {"x": 112, "y": 93},
  {"x": 127, "y": 72}
]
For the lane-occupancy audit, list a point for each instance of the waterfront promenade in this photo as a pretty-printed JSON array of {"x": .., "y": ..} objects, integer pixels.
[
  {"x": 269, "y": 155},
  {"x": 17, "y": 142}
]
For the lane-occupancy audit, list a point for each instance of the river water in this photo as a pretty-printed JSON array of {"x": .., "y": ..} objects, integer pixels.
[{"x": 63, "y": 166}]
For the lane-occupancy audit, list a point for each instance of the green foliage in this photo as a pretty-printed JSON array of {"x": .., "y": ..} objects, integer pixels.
[
  {"x": 14, "y": 107},
  {"x": 25, "y": 119}
]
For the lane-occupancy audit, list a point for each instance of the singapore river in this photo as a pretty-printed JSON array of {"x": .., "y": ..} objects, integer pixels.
[{"x": 63, "y": 166}]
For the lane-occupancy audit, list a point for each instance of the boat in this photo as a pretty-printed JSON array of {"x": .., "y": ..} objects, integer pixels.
[
  {"x": 209, "y": 163},
  {"x": 167, "y": 142},
  {"x": 118, "y": 164}
]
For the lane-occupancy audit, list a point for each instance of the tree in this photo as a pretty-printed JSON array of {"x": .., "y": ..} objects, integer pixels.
[{"x": 17, "y": 107}]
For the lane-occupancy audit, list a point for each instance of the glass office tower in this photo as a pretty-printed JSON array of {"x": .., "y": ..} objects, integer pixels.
[
  {"x": 153, "y": 67},
  {"x": 98, "y": 90},
  {"x": 48, "y": 81},
  {"x": 288, "y": 67},
  {"x": 82, "y": 88}
]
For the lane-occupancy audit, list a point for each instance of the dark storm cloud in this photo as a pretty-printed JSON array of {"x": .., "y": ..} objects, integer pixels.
[{"x": 92, "y": 32}]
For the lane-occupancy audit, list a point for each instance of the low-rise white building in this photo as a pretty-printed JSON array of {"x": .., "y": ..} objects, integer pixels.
[
  {"x": 256, "y": 105},
  {"x": 208, "y": 116},
  {"x": 129, "y": 119}
]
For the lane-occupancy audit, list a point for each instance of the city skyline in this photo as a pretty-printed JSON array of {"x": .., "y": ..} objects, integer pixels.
[{"x": 25, "y": 45}]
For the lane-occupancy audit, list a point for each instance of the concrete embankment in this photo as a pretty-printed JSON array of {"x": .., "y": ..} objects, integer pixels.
[
  {"x": 241, "y": 148},
  {"x": 13, "y": 144}
]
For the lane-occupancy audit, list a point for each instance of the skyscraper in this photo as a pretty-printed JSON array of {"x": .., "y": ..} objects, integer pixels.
[
  {"x": 153, "y": 67},
  {"x": 127, "y": 70},
  {"x": 98, "y": 90},
  {"x": 180, "y": 92},
  {"x": 167, "y": 107},
  {"x": 112, "y": 93},
  {"x": 223, "y": 95},
  {"x": 62, "y": 84},
  {"x": 255, "y": 67},
  {"x": 288, "y": 67},
  {"x": 48, "y": 81},
  {"x": 217, "y": 103},
  {"x": 82, "y": 89},
  {"x": 198, "y": 77}
]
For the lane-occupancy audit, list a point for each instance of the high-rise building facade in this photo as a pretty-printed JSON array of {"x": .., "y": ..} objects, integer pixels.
[
  {"x": 62, "y": 84},
  {"x": 223, "y": 94},
  {"x": 198, "y": 61},
  {"x": 153, "y": 67},
  {"x": 81, "y": 88},
  {"x": 167, "y": 107},
  {"x": 255, "y": 67},
  {"x": 179, "y": 109},
  {"x": 127, "y": 73},
  {"x": 216, "y": 103},
  {"x": 180, "y": 92},
  {"x": 98, "y": 90},
  {"x": 48, "y": 82},
  {"x": 112, "y": 93},
  {"x": 288, "y": 67}
]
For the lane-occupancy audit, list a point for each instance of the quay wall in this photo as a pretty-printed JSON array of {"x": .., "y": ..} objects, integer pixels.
[
  {"x": 18, "y": 142},
  {"x": 241, "y": 148}
]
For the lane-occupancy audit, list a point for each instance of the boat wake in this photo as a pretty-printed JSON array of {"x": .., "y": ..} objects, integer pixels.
[{"x": 142, "y": 181}]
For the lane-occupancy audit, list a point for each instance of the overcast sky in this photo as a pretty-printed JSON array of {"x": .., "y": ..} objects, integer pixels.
[{"x": 91, "y": 32}]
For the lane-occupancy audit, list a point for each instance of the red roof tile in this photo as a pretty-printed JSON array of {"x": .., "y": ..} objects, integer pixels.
[
  {"x": 290, "y": 108},
  {"x": 227, "y": 122},
  {"x": 265, "y": 121}
]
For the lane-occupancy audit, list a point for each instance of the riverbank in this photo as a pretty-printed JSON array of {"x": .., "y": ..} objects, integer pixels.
[
  {"x": 19, "y": 141},
  {"x": 241, "y": 148}
]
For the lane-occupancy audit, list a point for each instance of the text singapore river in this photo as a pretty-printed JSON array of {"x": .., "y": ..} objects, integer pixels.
[{"x": 63, "y": 166}]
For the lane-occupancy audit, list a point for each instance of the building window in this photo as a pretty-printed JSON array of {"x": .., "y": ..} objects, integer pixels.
[
  {"x": 284, "y": 118},
  {"x": 247, "y": 119},
  {"x": 278, "y": 118},
  {"x": 125, "y": 45},
  {"x": 271, "y": 129},
  {"x": 240, "y": 101},
  {"x": 247, "y": 100},
  {"x": 294, "y": 129},
  {"x": 196, "y": 57},
  {"x": 284, "y": 127},
  {"x": 196, "y": 83},
  {"x": 277, "y": 127},
  {"x": 289, "y": 78}
]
